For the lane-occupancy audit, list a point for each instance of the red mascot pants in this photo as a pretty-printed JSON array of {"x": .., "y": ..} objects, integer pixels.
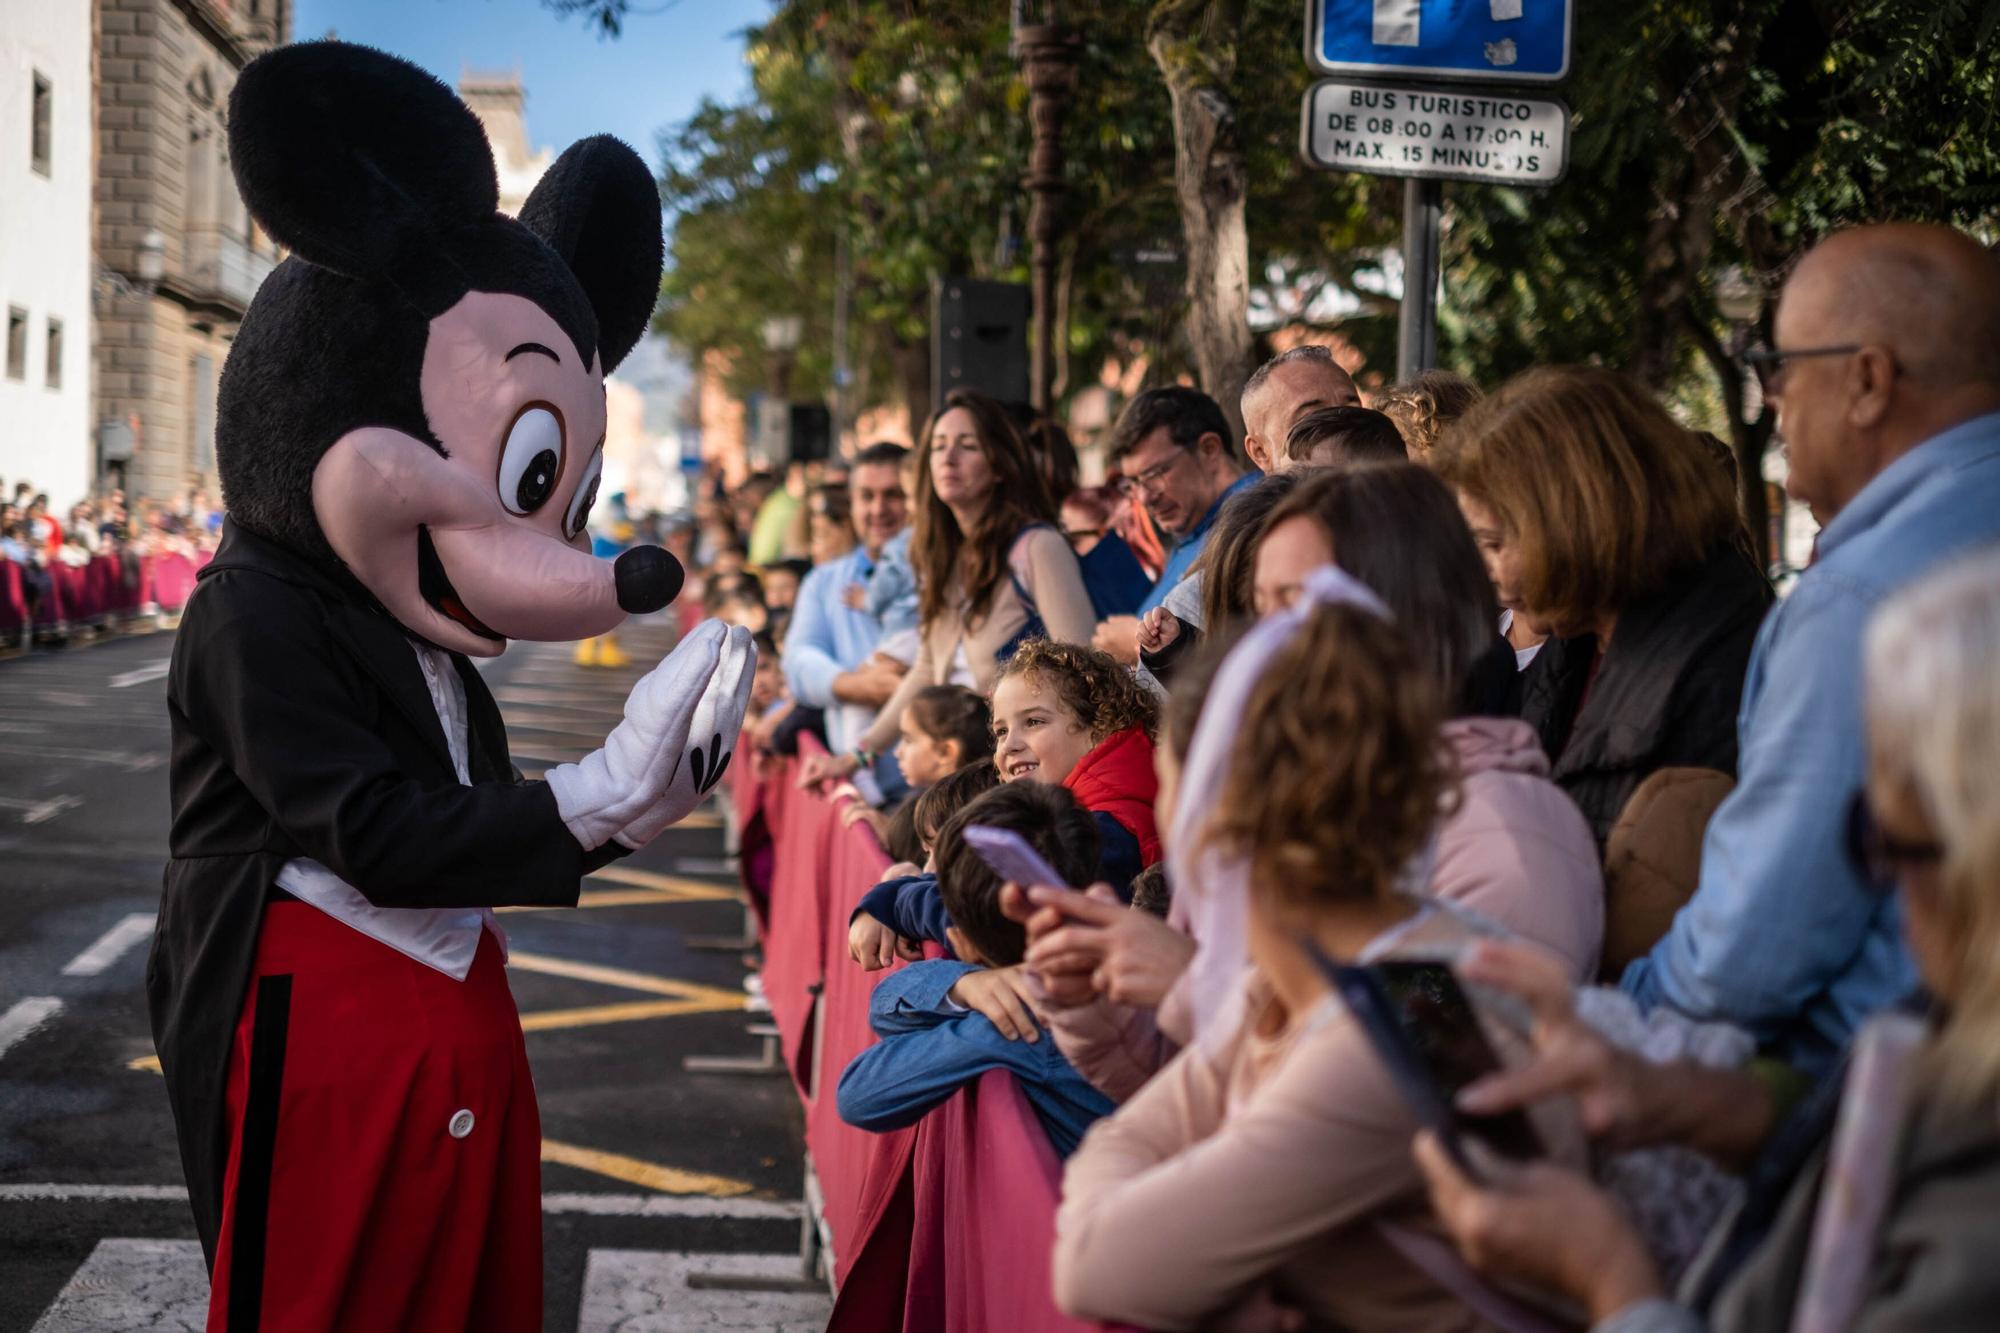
[{"x": 385, "y": 1150}]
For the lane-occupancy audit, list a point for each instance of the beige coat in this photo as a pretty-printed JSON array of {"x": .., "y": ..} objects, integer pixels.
[{"x": 1270, "y": 1160}]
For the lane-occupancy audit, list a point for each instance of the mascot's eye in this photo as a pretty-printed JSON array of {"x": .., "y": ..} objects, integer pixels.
[
  {"x": 586, "y": 496},
  {"x": 531, "y": 461}
]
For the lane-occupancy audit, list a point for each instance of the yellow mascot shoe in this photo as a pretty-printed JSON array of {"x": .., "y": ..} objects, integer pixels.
[
  {"x": 586, "y": 652},
  {"x": 609, "y": 654}
]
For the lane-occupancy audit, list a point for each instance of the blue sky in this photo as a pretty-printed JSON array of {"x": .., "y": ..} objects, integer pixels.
[{"x": 672, "y": 54}]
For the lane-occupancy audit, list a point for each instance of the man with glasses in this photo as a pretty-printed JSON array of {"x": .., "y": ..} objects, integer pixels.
[
  {"x": 1178, "y": 456},
  {"x": 1886, "y": 380}
]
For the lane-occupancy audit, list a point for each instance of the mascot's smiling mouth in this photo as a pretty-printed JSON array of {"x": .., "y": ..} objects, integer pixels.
[{"x": 435, "y": 587}]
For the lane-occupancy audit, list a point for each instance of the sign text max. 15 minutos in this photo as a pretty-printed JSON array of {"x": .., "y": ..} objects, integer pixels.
[{"x": 1402, "y": 131}]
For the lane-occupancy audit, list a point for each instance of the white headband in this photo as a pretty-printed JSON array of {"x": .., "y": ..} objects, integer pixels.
[{"x": 1211, "y": 886}]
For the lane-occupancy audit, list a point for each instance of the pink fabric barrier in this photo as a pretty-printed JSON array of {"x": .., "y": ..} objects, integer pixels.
[
  {"x": 53, "y": 610},
  {"x": 110, "y": 586},
  {"x": 79, "y": 598},
  {"x": 974, "y": 1265},
  {"x": 819, "y": 871},
  {"x": 173, "y": 579},
  {"x": 13, "y": 599},
  {"x": 945, "y": 1225}
]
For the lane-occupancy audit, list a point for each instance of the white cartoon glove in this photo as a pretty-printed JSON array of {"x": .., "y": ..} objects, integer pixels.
[
  {"x": 711, "y": 740},
  {"x": 645, "y": 768}
]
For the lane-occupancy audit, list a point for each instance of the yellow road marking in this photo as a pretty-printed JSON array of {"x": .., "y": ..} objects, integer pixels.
[
  {"x": 676, "y": 884},
  {"x": 597, "y": 1015},
  {"x": 614, "y": 898},
  {"x": 625, "y": 978},
  {"x": 647, "y": 1175},
  {"x": 647, "y": 888},
  {"x": 683, "y": 997}
]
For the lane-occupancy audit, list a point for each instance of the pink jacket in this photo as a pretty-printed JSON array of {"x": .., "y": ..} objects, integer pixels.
[{"x": 1516, "y": 851}]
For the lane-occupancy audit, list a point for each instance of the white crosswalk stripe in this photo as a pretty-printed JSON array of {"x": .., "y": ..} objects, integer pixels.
[
  {"x": 125, "y": 1283},
  {"x": 24, "y": 1017},
  {"x": 130, "y": 1283},
  {"x": 110, "y": 946},
  {"x": 647, "y": 1291}
]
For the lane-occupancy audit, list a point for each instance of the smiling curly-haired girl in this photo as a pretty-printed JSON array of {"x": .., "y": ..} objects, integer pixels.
[{"x": 1072, "y": 716}]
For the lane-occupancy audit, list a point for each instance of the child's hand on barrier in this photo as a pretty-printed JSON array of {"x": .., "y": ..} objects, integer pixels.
[
  {"x": 858, "y": 811},
  {"x": 875, "y": 946},
  {"x": 1001, "y": 993}
]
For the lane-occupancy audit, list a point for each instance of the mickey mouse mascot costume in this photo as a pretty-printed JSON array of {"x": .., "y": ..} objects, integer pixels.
[{"x": 410, "y": 431}]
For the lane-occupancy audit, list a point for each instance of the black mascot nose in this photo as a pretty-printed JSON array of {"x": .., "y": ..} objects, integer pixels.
[{"x": 648, "y": 578}]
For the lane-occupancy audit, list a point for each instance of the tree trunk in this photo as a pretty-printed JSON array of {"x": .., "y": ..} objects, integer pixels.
[
  {"x": 1065, "y": 285},
  {"x": 1194, "y": 44},
  {"x": 1747, "y": 439}
]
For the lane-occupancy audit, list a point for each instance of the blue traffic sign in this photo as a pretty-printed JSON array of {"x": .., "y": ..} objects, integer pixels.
[{"x": 1503, "y": 41}]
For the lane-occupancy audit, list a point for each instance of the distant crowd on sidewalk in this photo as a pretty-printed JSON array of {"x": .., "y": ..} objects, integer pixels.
[{"x": 42, "y": 556}]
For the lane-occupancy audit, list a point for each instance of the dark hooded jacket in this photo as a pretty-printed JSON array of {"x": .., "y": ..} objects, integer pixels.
[
  {"x": 1665, "y": 695},
  {"x": 301, "y": 727}
]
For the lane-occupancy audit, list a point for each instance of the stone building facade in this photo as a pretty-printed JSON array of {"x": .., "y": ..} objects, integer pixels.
[
  {"x": 165, "y": 69},
  {"x": 500, "y": 102}
]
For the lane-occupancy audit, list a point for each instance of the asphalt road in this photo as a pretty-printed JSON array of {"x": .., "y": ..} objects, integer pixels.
[{"x": 649, "y": 1171}]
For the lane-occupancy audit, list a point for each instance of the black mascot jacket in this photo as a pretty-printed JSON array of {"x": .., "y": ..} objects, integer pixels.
[{"x": 301, "y": 726}]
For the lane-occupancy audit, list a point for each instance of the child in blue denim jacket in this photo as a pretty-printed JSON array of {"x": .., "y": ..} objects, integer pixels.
[{"x": 933, "y": 1017}]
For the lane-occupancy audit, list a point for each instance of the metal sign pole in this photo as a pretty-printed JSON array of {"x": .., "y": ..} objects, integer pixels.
[{"x": 1416, "y": 340}]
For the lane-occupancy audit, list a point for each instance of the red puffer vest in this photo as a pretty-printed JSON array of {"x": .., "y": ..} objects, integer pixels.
[{"x": 1117, "y": 779}]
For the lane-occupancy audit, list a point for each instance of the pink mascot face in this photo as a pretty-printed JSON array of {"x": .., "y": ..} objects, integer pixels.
[
  {"x": 486, "y": 543},
  {"x": 430, "y": 369}
]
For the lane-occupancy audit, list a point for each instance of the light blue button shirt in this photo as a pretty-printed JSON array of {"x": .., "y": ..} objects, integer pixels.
[
  {"x": 1783, "y": 936},
  {"x": 1188, "y": 549},
  {"x": 827, "y": 637}
]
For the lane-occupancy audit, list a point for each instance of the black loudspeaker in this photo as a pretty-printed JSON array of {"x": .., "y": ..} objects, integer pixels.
[
  {"x": 979, "y": 339},
  {"x": 811, "y": 438}
]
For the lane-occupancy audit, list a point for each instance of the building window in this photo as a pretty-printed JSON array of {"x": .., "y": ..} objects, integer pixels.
[
  {"x": 203, "y": 396},
  {"x": 17, "y": 343},
  {"x": 38, "y": 149},
  {"x": 52, "y": 367}
]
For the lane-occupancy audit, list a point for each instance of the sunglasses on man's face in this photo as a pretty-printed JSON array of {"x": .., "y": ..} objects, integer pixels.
[{"x": 1879, "y": 858}]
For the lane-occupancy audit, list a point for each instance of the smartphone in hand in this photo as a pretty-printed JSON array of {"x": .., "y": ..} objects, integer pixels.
[
  {"x": 1423, "y": 1027},
  {"x": 1009, "y": 855}
]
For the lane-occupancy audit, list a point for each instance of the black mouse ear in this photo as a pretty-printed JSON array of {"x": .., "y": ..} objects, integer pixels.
[
  {"x": 356, "y": 159},
  {"x": 599, "y": 208}
]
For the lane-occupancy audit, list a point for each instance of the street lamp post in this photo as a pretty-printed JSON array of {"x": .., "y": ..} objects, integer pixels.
[{"x": 1049, "y": 53}]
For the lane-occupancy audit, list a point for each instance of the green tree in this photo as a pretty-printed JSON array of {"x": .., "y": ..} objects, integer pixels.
[{"x": 1708, "y": 135}]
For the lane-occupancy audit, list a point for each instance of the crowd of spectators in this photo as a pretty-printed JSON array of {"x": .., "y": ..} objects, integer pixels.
[
  {"x": 1429, "y": 674},
  {"x": 35, "y": 541}
]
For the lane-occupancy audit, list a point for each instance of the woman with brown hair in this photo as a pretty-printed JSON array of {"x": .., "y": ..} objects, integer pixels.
[
  {"x": 1617, "y": 535},
  {"x": 1513, "y": 848},
  {"x": 992, "y": 567}
]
